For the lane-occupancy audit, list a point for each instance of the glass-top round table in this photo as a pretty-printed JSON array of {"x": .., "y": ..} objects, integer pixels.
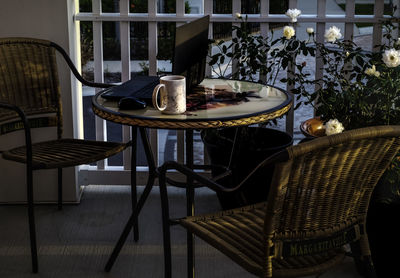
[{"x": 215, "y": 103}]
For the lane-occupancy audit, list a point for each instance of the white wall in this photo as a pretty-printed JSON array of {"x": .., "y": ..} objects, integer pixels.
[{"x": 50, "y": 20}]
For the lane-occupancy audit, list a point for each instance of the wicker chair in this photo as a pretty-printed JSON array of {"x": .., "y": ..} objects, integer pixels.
[
  {"x": 316, "y": 205},
  {"x": 30, "y": 98}
]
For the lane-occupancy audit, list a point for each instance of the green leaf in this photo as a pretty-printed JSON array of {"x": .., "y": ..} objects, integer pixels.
[{"x": 360, "y": 61}]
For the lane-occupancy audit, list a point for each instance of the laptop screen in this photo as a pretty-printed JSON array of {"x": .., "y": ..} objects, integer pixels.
[
  {"x": 189, "y": 60},
  {"x": 190, "y": 53}
]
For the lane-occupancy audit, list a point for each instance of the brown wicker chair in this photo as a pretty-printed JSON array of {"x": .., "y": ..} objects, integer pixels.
[
  {"x": 30, "y": 98},
  {"x": 316, "y": 205}
]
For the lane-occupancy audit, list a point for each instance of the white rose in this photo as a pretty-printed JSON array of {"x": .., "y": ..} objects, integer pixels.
[
  {"x": 333, "y": 127},
  {"x": 288, "y": 32},
  {"x": 332, "y": 34},
  {"x": 293, "y": 14},
  {"x": 391, "y": 58},
  {"x": 238, "y": 15},
  {"x": 372, "y": 71},
  {"x": 310, "y": 30}
]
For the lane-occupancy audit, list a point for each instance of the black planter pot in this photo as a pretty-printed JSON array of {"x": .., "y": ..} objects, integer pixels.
[
  {"x": 383, "y": 235},
  {"x": 256, "y": 144},
  {"x": 383, "y": 229}
]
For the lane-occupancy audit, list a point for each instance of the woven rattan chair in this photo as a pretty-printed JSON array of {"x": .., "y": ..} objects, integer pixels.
[
  {"x": 317, "y": 204},
  {"x": 30, "y": 98}
]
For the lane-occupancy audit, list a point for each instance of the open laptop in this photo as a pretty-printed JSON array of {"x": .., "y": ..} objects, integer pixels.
[{"x": 189, "y": 60}]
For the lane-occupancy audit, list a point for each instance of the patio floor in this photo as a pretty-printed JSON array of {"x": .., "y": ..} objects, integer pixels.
[{"x": 77, "y": 241}]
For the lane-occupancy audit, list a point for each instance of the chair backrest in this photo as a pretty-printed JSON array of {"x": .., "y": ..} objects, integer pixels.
[
  {"x": 319, "y": 196},
  {"x": 29, "y": 79}
]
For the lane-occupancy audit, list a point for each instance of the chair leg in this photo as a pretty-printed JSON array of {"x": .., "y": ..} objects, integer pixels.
[
  {"x": 31, "y": 220},
  {"x": 369, "y": 267},
  {"x": 364, "y": 264},
  {"x": 60, "y": 197}
]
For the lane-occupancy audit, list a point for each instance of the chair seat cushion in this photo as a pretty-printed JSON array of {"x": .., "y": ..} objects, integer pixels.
[
  {"x": 238, "y": 233},
  {"x": 65, "y": 153}
]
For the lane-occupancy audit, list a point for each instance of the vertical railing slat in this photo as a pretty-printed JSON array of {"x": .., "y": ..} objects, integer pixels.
[
  {"x": 180, "y": 8},
  {"x": 377, "y": 29},
  {"x": 236, "y": 8},
  {"x": 349, "y": 26},
  {"x": 321, "y": 11},
  {"x": 290, "y": 87},
  {"x": 208, "y": 9},
  {"x": 180, "y": 135},
  {"x": 264, "y": 26},
  {"x": 100, "y": 124},
  {"x": 152, "y": 30},
  {"x": 125, "y": 72},
  {"x": 396, "y": 14}
]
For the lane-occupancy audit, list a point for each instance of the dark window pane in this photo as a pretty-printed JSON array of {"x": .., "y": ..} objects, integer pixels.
[
  {"x": 166, "y": 32},
  {"x": 85, "y": 6},
  {"x": 278, "y": 7},
  {"x": 110, "y": 6},
  {"x": 138, "y": 6},
  {"x": 166, "y": 6},
  {"x": 250, "y": 6},
  {"x": 222, "y": 6},
  {"x": 222, "y": 30},
  {"x": 86, "y": 48},
  {"x": 139, "y": 41}
]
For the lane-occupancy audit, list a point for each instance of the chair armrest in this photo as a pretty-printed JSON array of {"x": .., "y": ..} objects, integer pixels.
[
  {"x": 75, "y": 71},
  {"x": 24, "y": 120}
]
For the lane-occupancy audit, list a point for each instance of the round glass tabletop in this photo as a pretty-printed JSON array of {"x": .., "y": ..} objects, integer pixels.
[{"x": 214, "y": 103}]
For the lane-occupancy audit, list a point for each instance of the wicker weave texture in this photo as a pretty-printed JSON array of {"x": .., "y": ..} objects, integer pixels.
[
  {"x": 165, "y": 124},
  {"x": 65, "y": 152},
  {"x": 28, "y": 77},
  {"x": 319, "y": 194},
  {"x": 327, "y": 187}
]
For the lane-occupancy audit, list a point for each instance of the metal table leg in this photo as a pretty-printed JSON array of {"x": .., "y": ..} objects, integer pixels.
[
  {"x": 190, "y": 203},
  {"x": 134, "y": 216},
  {"x": 133, "y": 182}
]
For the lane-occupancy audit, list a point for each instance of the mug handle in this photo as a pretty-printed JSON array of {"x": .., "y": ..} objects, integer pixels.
[{"x": 154, "y": 97}]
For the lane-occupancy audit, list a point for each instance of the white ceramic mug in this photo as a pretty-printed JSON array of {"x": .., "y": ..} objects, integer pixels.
[{"x": 172, "y": 90}]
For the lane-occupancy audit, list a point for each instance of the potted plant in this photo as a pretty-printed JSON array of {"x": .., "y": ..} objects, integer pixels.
[
  {"x": 362, "y": 89},
  {"x": 257, "y": 142}
]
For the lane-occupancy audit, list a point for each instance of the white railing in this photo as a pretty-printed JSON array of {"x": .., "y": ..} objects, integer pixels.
[{"x": 103, "y": 174}]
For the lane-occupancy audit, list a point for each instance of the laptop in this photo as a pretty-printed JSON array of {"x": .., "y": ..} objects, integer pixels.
[{"x": 189, "y": 60}]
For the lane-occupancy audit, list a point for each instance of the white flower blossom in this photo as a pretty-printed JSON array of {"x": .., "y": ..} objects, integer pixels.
[
  {"x": 333, "y": 127},
  {"x": 288, "y": 32},
  {"x": 244, "y": 59},
  {"x": 332, "y": 34},
  {"x": 293, "y": 14},
  {"x": 238, "y": 16},
  {"x": 310, "y": 30},
  {"x": 372, "y": 71},
  {"x": 347, "y": 54},
  {"x": 391, "y": 58},
  {"x": 397, "y": 42}
]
